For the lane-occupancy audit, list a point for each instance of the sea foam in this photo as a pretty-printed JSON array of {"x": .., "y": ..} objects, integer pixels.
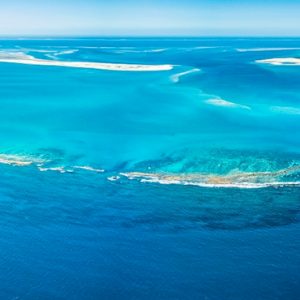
[
  {"x": 56, "y": 169},
  {"x": 88, "y": 168},
  {"x": 176, "y": 77},
  {"x": 225, "y": 103}
]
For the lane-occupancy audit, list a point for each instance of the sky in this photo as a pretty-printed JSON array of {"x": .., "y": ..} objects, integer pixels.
[{"x": 150, "y": 17}]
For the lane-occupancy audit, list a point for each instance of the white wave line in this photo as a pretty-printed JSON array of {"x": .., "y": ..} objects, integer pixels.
[{"x": 176, "y": 77}]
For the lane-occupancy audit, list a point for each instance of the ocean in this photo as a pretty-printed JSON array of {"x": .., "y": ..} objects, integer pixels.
[{"x": 146, "y": 168}]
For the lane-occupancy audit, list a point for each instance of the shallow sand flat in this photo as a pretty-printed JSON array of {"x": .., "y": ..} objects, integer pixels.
[
  {"x": 42, "y": 164},
  {"x": 29, "y": 60},
  {"x": 288, "y": 61},
  {"x": 286, "y": 110},
  {"x": 236, "y": 180},
  {"x": 267, "y": 49},
  {"x": 16, "y": 160}
]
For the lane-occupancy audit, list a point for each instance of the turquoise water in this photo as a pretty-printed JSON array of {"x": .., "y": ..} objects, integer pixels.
[{"x": 178, "y": 184}]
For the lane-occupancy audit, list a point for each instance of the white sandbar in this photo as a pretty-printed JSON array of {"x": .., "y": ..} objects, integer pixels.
[
  {"x": 288, "y": 61},
  {"x": 21, "y": 58}
]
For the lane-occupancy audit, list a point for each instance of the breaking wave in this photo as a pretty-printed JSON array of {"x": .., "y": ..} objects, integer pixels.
[
  {"x": 176, "y": 77},
  {"x": 225, "y": 103}
]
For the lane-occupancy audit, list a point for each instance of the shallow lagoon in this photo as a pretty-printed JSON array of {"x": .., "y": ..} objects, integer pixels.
[{"x": 69, "y": 232}]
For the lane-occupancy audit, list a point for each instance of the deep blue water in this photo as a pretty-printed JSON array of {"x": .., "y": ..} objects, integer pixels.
[{"x": 68, "y": 231}]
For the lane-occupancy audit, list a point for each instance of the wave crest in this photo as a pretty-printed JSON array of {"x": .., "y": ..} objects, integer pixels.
[
  {"x": 176, "y": 77},
  {"x": 225, "y": 103}
]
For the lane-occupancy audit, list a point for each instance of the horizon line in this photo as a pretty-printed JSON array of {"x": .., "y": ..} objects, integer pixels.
[{"x": 107, "y": 36}]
